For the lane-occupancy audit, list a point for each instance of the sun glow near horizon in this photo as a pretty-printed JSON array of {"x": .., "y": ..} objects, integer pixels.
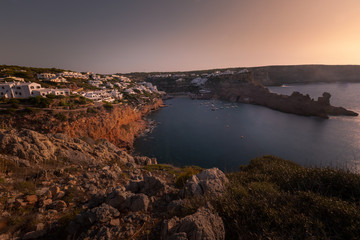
[{"x": 179, "y": 35}]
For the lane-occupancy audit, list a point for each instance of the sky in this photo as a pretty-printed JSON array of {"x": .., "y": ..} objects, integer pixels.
[{"x": 109, "y": 36}]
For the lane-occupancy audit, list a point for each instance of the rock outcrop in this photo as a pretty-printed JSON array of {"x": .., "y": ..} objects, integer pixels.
[
  {"x": 296, "y": 103},
  {"x": 51, "y": 148},
  {"x": 210, "y": 181},
  {"x": 203, "y": 225}
]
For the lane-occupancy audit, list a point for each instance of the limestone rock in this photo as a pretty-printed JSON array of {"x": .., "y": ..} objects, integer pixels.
[
  {"x": 31, "y": 199},
  {"x": 58, "y": 205},
  {"x": 127, "y": 201},
  {"x": 139, "y": 202},
  {"x": 150, "y": 185},
  {"x": 34, "y": 234},
  {"x": 143, "y": 160},
  {"x": 200, "y": 226},
  {"x": 210, "y": 181},
  {"x": 33, "y": 147}
]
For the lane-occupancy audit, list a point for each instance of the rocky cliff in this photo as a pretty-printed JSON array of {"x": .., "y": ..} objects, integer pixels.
[
  {"x": 296, "y": 103},
  {"x": 57, "y": 187},
  {"x": 119, "y": 124}
]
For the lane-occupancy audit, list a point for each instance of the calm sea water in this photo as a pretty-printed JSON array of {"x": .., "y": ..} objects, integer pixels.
[{"x": 190, "y": 133}]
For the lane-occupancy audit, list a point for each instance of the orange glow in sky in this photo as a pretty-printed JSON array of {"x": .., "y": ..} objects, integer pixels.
[{"x": 163, "y": 35}]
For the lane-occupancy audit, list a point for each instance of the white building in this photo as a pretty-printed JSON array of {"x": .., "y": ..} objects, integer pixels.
[
  {"x": 57, "y": 79},
  {"x": 73, "y": 75},
  {"x": 46, "y": 76},
  {"x": 95, "y": 83},
  {"x": 18, "y": 90},
  {"x": 45, "y": 91},
  {"x": 199, "y": 81}
]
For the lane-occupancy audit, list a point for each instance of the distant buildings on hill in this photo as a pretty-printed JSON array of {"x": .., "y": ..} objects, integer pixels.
[{"x": 28, "y": 89}]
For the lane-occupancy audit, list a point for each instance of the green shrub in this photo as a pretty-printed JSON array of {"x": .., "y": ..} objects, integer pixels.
[
  {"x": 40, "y": 101},
  {"x": 272, "y": 198},
  {"x": 108, "y": 106},
  {"x": 60, "y": 116},
  {"x": 25, "y": 187},
  {"x": 91, "y": 110},
  {"x": 185, "y": 174},
  {"x": 51, "y": 96}
]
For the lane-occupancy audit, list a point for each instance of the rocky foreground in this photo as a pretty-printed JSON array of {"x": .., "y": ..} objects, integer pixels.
[{"x": 54, "y": 186}]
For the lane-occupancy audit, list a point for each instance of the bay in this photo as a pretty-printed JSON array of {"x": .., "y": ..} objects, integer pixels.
[{"x": 188, "y": 132}]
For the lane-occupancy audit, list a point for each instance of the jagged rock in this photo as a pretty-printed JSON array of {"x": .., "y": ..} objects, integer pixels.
[
  {"x": 117, "y": 199},
  {"x": 60, "y": 195},
  {"x": 58, "y": 205},
  {"x": 45, "y": 202},
  {"x": 210, "y": 181},
  {"x": 31, "y": 199},
  {"x": 104, "y": 213},
  {"x": 39, "y": 148},
  {"x": 54, "y": 190},
  {"x": 150, "y": 186},
  {"x": 40, "y": 226},
  {"x": 175, "y": 207},
  {"x": 202, "y": 225},
  {"x": 4, "y": 236},
  {"x": 34, "y": 234},
  {"x": 143, "y": 160},
  {"x": 19, "y": 203},
  {"x": 125, "y": 201},
  {"x": 325, "y": 99},
  {"x": 139, "y": 202}
]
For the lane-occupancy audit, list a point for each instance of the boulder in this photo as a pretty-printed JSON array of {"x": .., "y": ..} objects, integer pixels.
[
  {"x": 139, "y": 202},
  {"x": 200, "y": 226},
  {"x": 31, "y": 199},
  {"x": 150, "y": 185},
  {"x": 34, "y": 234},
  {"x": 58, "y": 205},
  {"x": 143, "y": 160},
  {"x": 127, "y": 201},
  {"x": 210, "y": 181}
]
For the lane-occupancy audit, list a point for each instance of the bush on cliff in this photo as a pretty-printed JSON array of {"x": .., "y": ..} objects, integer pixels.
[{"x": 272, "y": 198}]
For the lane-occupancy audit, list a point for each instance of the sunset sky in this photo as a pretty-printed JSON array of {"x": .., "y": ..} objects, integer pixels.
[{"x": 110, "y": 36}]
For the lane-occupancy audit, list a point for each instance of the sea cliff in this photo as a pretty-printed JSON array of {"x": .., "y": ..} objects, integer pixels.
[{"x": 119, "y": 124}]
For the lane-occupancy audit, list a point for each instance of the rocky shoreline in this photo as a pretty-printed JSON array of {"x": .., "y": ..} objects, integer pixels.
[
  {"x": 296, "y": 103},
  {"x": 76, "y": 189}
]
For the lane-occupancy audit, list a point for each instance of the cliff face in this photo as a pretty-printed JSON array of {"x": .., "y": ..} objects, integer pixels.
[{"x": 119, "y": 125}]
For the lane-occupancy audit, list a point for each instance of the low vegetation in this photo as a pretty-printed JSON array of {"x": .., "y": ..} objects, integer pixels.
[
  {"x": 181, "y": 174},
  {"x": 272, "y": 198}
]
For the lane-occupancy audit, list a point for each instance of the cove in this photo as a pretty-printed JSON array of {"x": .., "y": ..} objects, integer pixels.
[{"x": 188, "y": 132}]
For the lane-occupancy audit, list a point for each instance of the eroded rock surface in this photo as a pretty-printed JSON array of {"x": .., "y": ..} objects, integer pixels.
[
  {"x": 210, "y": 181},
  {"x": 202, "y": 225}
]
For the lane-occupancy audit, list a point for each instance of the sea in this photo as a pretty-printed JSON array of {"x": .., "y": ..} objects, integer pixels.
[{"x": 214, "y": 133}]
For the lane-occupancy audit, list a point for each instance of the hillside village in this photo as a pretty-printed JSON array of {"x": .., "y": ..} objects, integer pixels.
[{"x": 21, "y": 82}]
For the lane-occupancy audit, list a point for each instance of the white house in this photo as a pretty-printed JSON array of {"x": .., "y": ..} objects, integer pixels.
[
  {"x": 58, "y": 79},
  {"x": 18, "y": 90},
  {"x": 95, "y": 83},
  {"x": 46, "y": 75},
  {"x": 45, "y": 91}
]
